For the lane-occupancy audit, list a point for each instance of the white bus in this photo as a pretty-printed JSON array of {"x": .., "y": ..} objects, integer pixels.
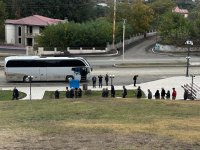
[{"x": 18, "y": 68}]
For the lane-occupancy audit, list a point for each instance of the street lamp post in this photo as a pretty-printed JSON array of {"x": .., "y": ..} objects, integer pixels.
[
  {"x": 29, "y": 78},
  {"x": 111, "y": 78},
  {"x": 124, "y": 22},
  {"x": 189, "y": 43}
]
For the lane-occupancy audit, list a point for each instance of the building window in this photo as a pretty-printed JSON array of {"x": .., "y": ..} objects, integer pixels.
[
  {"x": 19, "y": 31},
  {"x": 20, "y": 40},
  {"x": 29, "y": 29},
  {"x": 41, "y": 29}
]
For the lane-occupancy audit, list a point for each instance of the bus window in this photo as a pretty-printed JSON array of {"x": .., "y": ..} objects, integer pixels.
[{"x": 77, "y": 70}]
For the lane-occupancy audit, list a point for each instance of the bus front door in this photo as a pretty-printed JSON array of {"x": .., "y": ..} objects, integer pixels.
[
  {"x": 83, "y": 74},
  {"x": 43, "y": 74}
]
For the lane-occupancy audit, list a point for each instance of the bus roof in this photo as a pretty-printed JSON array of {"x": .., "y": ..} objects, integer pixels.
[{"x": 40, "y": 58}]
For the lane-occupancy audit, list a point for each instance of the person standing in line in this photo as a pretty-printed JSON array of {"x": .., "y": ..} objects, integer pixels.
[
  {"x": 79, "y": 93},
  {"x": 76, "y": 93},
  {"x": 139, "y": 92},
  {"x": 124, "y": 94},
  {"x": 67, "y": 93},
  {"x": 15, "y": 94},
  {"x": 106, "y": 92},
  {"x": 157, "y": 95},
  {"x": 168, "y": 95},
  {"x": 103, "y": 94},
  {"x": 185, "y": 96},
  {"x": 149, "y": 94},
  {"x": 163, "y": 93},
  {"x": 174, "y": 94},
  {"x": 94, "y": 79},
  {"x": 71, "y": 92},
  {"x": 106, "y": 79},
  {"x": 57, "y": 94},
  {"x": 112, "y": 91},
  {"x": 135, "y": 79},
  {"x": 100, "y": 81}
]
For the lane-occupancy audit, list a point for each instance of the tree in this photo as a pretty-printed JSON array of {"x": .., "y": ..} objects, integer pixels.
[
  {"x": 2, "y": 19},
  {"x": 95, "y": 33},
  {"x": 76, "y": 10},
  {"x": 138, "y": 15},
  {"x": 162, "y": 6},
  {"x": 174, "y": 28},
  {"x": 142, "y": 17},
  {"x": 194, "y": 20},
  {"x": 53, "y": 36}
]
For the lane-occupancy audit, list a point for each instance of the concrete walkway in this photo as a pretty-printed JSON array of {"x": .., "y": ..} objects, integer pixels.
[{"x": 37, "y": 93}]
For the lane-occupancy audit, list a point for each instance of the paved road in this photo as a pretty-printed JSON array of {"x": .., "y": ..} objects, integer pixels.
[
  {"x": 123, "y": 76},
  {"x": 140, "y": 53}
]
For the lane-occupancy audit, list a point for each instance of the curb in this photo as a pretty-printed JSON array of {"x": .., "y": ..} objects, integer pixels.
[{"x": 151, "y": 65}]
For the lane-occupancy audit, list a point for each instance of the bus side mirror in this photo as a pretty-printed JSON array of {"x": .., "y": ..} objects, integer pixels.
[{"x": 91, "y": 69}]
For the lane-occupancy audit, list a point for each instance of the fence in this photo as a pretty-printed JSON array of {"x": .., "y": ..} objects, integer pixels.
[{"x": 193, "y": 90}]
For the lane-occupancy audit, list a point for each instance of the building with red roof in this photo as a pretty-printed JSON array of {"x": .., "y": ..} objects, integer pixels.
[
  {"x": 184, "y": 12},
  {"x": 23, "y": 31}
]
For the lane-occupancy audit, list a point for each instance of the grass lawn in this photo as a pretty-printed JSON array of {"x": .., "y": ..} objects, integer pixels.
[
  {"x": 7, "y": 95},
  {"x": 93, "y": 95},
  {"x": 98, "y": 123}
]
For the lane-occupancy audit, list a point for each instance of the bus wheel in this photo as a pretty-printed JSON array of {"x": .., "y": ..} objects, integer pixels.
[
  {"x": 69, "y": 77},
  {"x": 25, "y": 79}
]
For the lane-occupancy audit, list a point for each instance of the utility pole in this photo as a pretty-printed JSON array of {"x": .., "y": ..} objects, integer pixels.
[
  {"x": 124, "y": 27},
  {"x": 114, "y": 19}
]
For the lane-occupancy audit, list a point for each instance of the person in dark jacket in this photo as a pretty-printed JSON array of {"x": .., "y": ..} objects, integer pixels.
[
  {"x": 15, "y": 94},
  {"x": 139, "y": 92},
  {"x": 100, "y": 81},
  {"x": 168, "y": 95},
  {"x": 124, "y": 94},
  {"x": 149, "y": 94},
  {"x": 79, "y": 93},
  {"x": 67, "y": 93},
  {"x": 135, "y": 79},
  {"x": 71, "y": 93},
  {"x": 76, "y": 93},
  {"x": 94, "y": 79},
  {"x": 185, "y": 96},
  {"x": 157, "y": 95},
  {"x": 163, "y": 93},
  {"x": 106, "y": 79},
  {"x": 112, "y": 91},
  {"x": 57, "y": 94}
]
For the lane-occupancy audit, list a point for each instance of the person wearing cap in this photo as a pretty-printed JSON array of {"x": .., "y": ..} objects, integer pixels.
[{"x": 173, "y": 94}]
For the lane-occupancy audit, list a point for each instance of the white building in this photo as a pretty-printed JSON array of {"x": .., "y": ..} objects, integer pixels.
[{"x": 23, "y": 31}]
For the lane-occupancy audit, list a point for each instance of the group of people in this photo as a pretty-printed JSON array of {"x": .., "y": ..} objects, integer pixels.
[
  {"x": 77, "y": 92},
  {"x": 72, "y": 93},
  {"x": 100, "y": 78},
  {"x": 163, "y": 94},
  {"x": 106, "y": 78},
  {"x": 105, "y": 92}
]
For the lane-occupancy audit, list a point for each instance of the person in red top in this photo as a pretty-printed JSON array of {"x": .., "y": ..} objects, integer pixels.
[{"x": 173, "y": 94}]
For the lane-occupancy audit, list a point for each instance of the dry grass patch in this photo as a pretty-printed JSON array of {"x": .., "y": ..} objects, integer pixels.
[{"x": 100, "y": 123}]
